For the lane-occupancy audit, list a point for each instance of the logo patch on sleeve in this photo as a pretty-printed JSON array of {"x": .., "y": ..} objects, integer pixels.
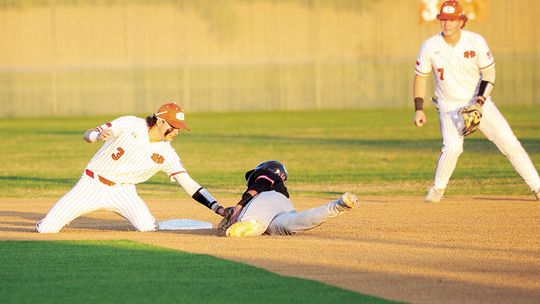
[{"x": 158, "y": 158}]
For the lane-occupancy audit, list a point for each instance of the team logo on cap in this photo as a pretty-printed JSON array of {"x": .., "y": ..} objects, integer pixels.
[
  {"x": 449, "y": 9},
  {"x": 180, "y": 116}
]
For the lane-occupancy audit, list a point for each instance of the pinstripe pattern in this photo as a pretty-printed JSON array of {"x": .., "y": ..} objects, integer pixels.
[
  {"x": 456, "y": 88},
  {"x": 497, "y": 130},
  {"x": 127, "y": 158},
  {"x": 450, "y": 123},
  {"x": 460, "y": 74}
]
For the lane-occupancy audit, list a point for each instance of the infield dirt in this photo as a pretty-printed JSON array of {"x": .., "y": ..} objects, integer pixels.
[{"x": 464, "y": 250}]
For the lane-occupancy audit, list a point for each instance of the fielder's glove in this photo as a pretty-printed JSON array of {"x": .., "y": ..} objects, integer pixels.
[
  {"x": 226, "y": 222},
  {"x": 471, "y": 118}
]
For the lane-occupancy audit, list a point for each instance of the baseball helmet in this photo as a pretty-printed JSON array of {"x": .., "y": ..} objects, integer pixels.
[
  {"x": 173, "y": 114},
  {"x": 271, "y": 165},
  {"x": 452, "y": 10}
]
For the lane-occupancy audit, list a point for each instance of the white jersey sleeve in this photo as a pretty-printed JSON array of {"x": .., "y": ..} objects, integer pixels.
[
  {"x": 118, "y": 125},
  {"x": 423, "y": 61},
  {"x": 172, "y": 164},
  {"x": 484, "y": 58}
]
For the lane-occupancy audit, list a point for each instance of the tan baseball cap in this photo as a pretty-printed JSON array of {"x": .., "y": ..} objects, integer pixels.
[{"x": 173, "y": 114}]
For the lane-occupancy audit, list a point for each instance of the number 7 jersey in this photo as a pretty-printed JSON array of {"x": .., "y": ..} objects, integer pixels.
[
  {"x": 456, "y": 68},
  {"x": 128, "y": 156}
]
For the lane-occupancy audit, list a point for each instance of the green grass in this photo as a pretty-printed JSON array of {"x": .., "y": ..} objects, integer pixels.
[
  {"x": 374, "y": 152},
  {"x": 371, "y": 152},
  {"x": 128, "y": 272}
]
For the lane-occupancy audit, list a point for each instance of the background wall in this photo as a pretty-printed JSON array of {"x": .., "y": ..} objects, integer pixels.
[{"x": 78, "y": 57}]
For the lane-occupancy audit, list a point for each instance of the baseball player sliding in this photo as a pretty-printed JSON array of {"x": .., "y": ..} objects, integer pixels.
[
  {"x": 464, "y": 75},
  {"x": 265, "y": 206},
  {"x": 134, "y": 150}
]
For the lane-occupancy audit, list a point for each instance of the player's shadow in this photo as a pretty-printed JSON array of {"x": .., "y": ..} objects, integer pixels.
[
  {"x": 29, "y": 220},
  {"x": 504, "y": 199}
]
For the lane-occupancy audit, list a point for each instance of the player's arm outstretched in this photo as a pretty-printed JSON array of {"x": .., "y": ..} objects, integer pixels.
[
  {"x": 198, "y": 192},
  {"x": 419, "y": 91}
]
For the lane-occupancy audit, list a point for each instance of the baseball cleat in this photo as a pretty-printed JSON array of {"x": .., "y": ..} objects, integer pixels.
[
  {"x": 537, "y": 194},
  {"x": 348, "y": 200},
  {"x": 248, "y": 228},
  {"x": 434, "y": 195}
]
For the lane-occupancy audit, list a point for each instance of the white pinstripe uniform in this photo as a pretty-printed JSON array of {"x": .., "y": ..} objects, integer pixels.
[
  {"x": 127, "y": 158},
  {"x": 457, "y": 74}
]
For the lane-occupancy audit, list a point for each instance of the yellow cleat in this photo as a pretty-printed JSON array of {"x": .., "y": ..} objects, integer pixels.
[{"x": 249, "y": 228}]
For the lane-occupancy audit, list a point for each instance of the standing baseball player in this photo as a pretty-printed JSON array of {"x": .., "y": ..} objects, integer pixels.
[
  {"x": 265, "y": 206},
  {"x": 464, "y": 75},
  {"x": 134, "y": 150}
]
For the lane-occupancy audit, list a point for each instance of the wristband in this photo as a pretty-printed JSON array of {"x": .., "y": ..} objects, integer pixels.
[
  {"x": 215, "y": 207},
  {"x": 204, "y": 197},
  {"x": 92, "y": 137},
  {"x": 246, "y": 197},
  {"x": 418, "y": 103},
  {"x": 485, "y": 88}
]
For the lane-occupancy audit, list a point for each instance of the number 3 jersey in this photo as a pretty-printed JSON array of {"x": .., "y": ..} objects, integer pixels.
[
  {"x": 128, "y": 156},
  {"x": 456, "y": 69}
]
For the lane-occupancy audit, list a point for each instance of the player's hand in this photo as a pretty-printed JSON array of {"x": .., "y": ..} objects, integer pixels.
[
  {"x": 225, "y": 212},
  {"x": 104, "y": 135},
  {"x": 480, "y": 100},
  {"x": 221, "y": 211},
  {"x": 230, "y": 217},
  {"x": 235, "y": 214},
  {"x": 419, "y": 118}
]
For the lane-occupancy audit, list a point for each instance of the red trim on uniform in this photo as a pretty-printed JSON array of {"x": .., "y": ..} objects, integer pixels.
[
  {"x": 176, "y": 173},
  {"x": 487, "y": 67},
  {"x": 100, "y": 178},
  {"x": 89, "y": 173},
  {"x": 421, "y": 74},
  {"x": 105, "y": 181},
  {"x": 266, "y": 178},
  {"x": 99, "y": 129},
  {"x": 109, "y": 124}
]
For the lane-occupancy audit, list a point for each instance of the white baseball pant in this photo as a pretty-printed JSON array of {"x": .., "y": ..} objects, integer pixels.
[
  {"x": 495, "y": 128},
  {"x": 91, "y": 194},
  {"x": 274, "y": 211}
]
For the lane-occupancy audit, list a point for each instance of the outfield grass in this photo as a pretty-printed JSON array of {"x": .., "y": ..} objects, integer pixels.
[
  {"x": 374, "y": 152},
  {"x": 128, "y": 272}
]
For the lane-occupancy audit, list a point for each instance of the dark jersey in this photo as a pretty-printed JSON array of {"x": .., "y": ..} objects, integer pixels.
[{"x": 262, "y": 180}]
